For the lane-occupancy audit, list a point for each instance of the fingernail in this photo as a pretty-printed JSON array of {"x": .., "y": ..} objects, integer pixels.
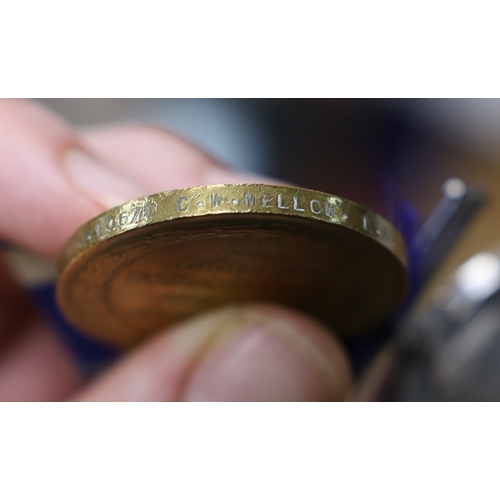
[
  {"x": 98, "y": 181},
  {"x": 270, "y": 359}
]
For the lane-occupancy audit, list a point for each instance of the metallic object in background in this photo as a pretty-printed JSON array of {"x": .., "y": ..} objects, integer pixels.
[
  {"x": 160, "y": 259},
  {"x": 444, "y": 226},
  {"x": 404, "y": 369},
  {"x": 450, "y": 349}
]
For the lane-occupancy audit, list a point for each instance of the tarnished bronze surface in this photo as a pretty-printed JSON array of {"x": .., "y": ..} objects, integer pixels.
[{"x": 163, "y": 258}]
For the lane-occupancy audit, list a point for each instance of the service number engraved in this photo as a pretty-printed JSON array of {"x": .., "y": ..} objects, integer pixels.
[{"x": 127, "y": 218}]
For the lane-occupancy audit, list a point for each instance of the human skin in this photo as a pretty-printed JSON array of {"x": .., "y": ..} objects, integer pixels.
[{"x": 54, "y": 178}]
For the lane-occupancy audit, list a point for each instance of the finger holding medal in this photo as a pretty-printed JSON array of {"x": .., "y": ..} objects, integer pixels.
[{"x": 54, "y": 179}]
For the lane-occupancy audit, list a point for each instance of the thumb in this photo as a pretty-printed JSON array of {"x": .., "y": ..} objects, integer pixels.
[{"x": 249, "y": 353}]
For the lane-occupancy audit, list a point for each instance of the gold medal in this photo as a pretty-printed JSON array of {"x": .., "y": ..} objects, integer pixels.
[{"x": 157, "y": 260}]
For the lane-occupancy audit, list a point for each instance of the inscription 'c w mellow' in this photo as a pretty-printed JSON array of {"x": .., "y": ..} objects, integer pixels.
[{"x": 265, "y": 200}]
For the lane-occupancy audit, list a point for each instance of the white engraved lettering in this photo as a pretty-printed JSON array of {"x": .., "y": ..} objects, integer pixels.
[
  {"x": 150, "y": 210},
  {"x": 296, "y": 205},
  {"x": 280, "y": 203},
  {"x": 216, "y": 200},
  {"x": 137, "y": 214},
  {"x": 249, "y": 200},
  {"x": 366, "y": 224},
  {"x": 181, "y": 204},
  {"x": 315, "y": 206},
  {"x": 266, "y": 199},
  {"x": 123, "y": 218},
  {"x": 110, "y": 223}
]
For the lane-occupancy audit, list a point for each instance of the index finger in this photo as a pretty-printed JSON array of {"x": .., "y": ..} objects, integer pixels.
[{"x": 53, "y": 179}]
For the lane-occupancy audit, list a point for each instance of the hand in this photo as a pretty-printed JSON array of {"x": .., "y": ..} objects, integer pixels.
[{"x": 52, "y": 180}]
